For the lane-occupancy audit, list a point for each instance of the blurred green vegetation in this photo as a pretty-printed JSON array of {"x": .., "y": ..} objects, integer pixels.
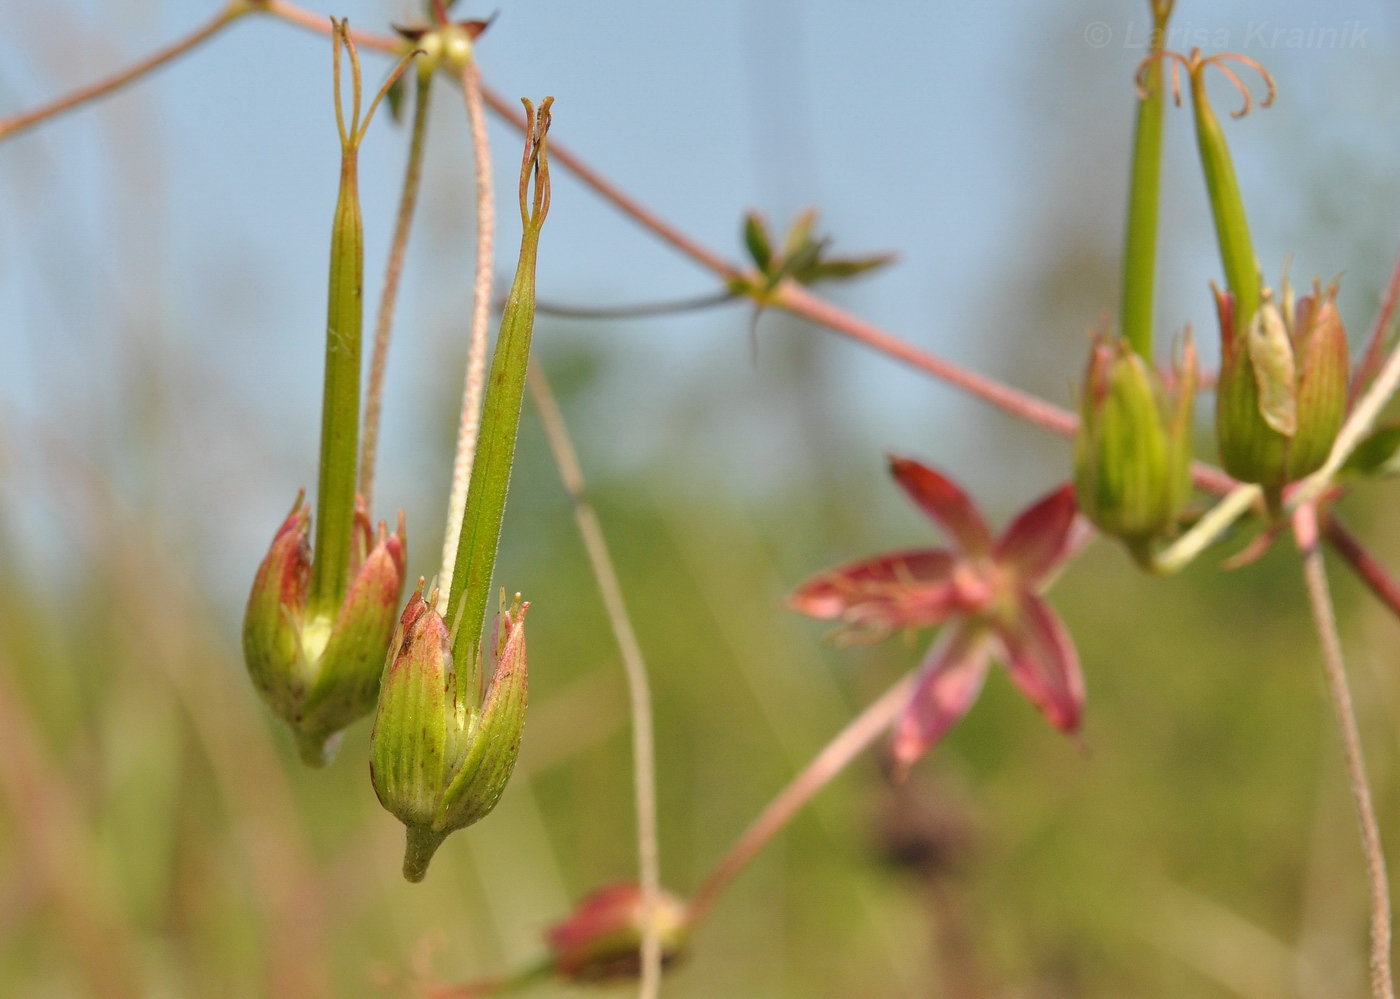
[{"x": 158, "y": 837}]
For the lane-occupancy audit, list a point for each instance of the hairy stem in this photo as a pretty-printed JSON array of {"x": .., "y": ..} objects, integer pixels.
[
  {"x": 13, "y": 125},
  {"x": 1315, "y": 576},
  {"x": 639, "y": 690},
  {"x": 469, "y": 425},
  {"x": 379, "y": 359},
  {"x": 838, "y": 753}
]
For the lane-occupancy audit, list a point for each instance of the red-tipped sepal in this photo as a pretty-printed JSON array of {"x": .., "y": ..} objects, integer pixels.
[
  {"x": 354, "y": 656},
  {"x": 408, "y": 762},
  {"x": 272, "y": 624}
]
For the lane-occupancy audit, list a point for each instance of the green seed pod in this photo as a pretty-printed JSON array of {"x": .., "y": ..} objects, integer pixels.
[
  {"x": 319, "y": 675},
  {"x": 1133, "y": 449},
  {"x": 440, "y": 757},
  {"x": 317, "y": 628},
  {"x": 1282, "y": 395}
]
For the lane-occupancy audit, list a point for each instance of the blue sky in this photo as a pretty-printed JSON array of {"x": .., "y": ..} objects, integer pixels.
[{"x": 194, "y": 211}]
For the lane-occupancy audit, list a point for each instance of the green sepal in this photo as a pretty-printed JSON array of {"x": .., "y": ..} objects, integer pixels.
[
  {"x": 493, "y": 744},
  {"x": 1132, "y": 452},
  {"x": 408, "y": 747},
  {"x": 1377, "y": 455}
]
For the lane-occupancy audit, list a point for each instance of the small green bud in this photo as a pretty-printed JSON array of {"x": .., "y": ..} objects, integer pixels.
[
  {"x": 440, "y": 756},
  {"x": 1133, "y": 449},
  {"x": 1282, "y": 395}
]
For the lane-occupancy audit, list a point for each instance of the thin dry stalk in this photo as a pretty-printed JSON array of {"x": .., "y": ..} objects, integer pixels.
[
  {"x": 838, "y": 753},
  {"x": 393, "y": 273},
  {"x": 27, "y": 119},
  {"x": 1315, "y": 576},
  {"x": 470, "y": 424},
  {"x": 639, "y": 690}
]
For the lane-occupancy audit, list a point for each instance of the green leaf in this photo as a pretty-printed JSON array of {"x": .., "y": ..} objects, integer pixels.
[
  {"x": 756, "y": 238},
  {"x": 799, "y": 234},
  {"x": 841, "y": 268},
  {"x": 1377, "y": 455}
]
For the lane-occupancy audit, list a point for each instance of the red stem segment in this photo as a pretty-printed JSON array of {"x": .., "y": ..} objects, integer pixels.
[
  {"x": 840, "y": 751},
  {"x": 1385, "y": 587}
]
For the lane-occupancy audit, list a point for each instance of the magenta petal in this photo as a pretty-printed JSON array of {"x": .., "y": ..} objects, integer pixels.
[
  {"x": 1039, "y": 540},
  {"x": 949, "y": 682},
  {"x": 1043, "y": 664},
  {"x": 942, "y": 499},
  {"x": 908, "y": 589}
]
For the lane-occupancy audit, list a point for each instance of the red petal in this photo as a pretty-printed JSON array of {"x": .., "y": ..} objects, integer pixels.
[
  {"x": 942, "y": 499},
  {"x": 908, "y": 589},
  {"x": 1038, "y": 541},
  {"x": 949, "y": 683},
  {"x": 1041, "y": 658}
]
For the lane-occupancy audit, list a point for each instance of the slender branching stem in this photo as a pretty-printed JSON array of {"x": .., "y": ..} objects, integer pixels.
[
  {"x": 643, "y": 752},
  {"x": 1382, "y": 584},
  {"x": 1315, "y": 575},
  {"x": 393, "y": 273},
  {"x": 469, "y": 425},
  {"x": 12, "y": 126},
  {"x": 800, "y": 302},
  {"x": 313, "y": 21},
  {"x": 864, "y": 729},
  {"x": 1207, "y": 530}
]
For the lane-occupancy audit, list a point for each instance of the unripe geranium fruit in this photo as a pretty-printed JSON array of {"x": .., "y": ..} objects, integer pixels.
[
  {"x": 441, "y": 755},
  {"x": 1133, "y": 449},
  {"x": 1282, "y": 396},
  {"x": 320, "y": 672}
]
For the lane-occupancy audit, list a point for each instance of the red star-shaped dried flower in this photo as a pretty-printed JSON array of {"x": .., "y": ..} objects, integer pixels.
[{"x": 986, "y": 590}]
